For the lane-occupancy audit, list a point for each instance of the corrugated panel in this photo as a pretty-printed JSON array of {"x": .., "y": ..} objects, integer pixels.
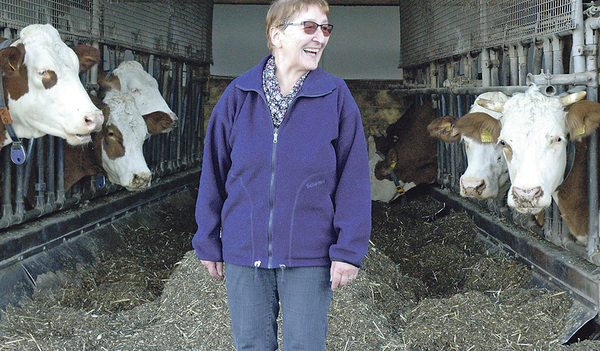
[
  {"x": 433, "y": 29},
  {"x": 173, "y": 28}
]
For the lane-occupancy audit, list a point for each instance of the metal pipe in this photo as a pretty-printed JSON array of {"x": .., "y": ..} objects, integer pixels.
[
  {"x": 557, "y": 58},
  {"x": 50, "y": 174},
  {"x": 591, "y": 44},
  {"x": 522, "y": 58},
  {"x": 537, "y": 63},
  {"x": 486, "y": 78},
  {"x": 509, "y": 90},
  {"x": 582, "y": 78},
  {"x": 60, "y": 173},
  {"x": 7, "y": 210},
  {"x": 578, "y": 37},
  {"x": 514, "y": 65},
  {"x": 548, "y": 55},
  {"x": 494, "y": 64}
]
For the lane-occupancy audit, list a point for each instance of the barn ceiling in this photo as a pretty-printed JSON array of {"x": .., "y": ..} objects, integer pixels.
[{"x": 331, "y": 2}]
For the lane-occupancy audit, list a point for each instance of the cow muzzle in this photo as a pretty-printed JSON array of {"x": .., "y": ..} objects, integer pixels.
[
  {"x": 140, "y": 181},
  {"x": 472, "y": 187},
  {"x": 527, "y": 200},
  {"x": 94, "y": 121}
]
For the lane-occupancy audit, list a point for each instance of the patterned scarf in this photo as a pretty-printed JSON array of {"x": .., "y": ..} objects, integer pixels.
[{"x": 278, "y": 104}]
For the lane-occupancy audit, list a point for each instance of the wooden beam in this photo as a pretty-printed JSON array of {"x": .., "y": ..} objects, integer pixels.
[{"x": 331, "y": 2}]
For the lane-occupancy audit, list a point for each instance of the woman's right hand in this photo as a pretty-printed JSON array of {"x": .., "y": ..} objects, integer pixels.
[{"x": 215, "y": 269}]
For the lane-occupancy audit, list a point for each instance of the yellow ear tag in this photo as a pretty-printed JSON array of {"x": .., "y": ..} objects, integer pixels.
[
  {"x": 486, "y": 137},
  {"x": 393, "y": 165},
  {"x": 580, "y": 131}
]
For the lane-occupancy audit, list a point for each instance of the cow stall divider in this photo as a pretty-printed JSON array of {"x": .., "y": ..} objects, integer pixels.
[
  {"x": 39, "y": 216},
  {"x": 456, "y": 51}
]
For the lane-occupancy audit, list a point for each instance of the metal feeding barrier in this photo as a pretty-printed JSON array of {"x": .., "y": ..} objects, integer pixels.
[
  {"x": 456, "y": 50},
  {"x": 172, "y": 41}
]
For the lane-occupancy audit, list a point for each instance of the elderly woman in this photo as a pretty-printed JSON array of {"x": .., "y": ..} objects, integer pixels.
[{"x": 284, "y": 196}]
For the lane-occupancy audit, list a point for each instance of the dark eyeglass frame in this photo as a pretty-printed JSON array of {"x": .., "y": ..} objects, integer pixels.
[{"x": 326, "y": 28}]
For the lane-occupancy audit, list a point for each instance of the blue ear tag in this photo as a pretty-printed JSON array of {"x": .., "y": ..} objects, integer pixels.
[
  {"x": 100, "y": 182},
  {"x": 17, "y": 153}
]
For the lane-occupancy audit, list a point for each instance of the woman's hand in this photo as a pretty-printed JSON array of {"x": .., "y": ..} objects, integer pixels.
[
  {"x": 342, "y": 273},
  {"x": 215, "y": 269}
]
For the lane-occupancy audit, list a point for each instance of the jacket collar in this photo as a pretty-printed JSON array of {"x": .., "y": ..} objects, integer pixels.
[{"x": 318, "y": 82}]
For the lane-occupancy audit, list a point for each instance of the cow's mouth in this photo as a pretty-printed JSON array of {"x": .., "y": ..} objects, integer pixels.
[{"x": 78, "y": 139}]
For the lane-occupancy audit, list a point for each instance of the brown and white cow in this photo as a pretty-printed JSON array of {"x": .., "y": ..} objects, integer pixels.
[
  {"x": 42, "y": 89},
  {"x": 408, "y": 152},
  {"x": 116, "y": 151},
  {"x": 130, "y": 77},
  {"x": 486, "y": 176},
  {"x": 534, "y": 132}
]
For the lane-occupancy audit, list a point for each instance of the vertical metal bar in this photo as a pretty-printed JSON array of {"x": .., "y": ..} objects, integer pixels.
[
  {"x": 60, "y": 173},
  {"x": 51, "y": 173},
  {"x": 522, "y": 59},
  {"x": 7, "y": 211},
  {"x": 557, "y": 59},
  {"x": 591, "y": 41},
  {"x": 486, "y": 79},
  {"x": 40, "y": 185},
  {"x": 514, "y": 65}
]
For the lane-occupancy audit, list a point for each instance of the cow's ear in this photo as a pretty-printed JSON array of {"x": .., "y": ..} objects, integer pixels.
[
  {"x": 443, "y": 128},
  {"x": 479, "y": 126},
  {"x": 109, "y": 81},
  {"x": 583, "y": 118},
  {"x": 88, "y": 57},
  {"x": 11, "y": 60}
]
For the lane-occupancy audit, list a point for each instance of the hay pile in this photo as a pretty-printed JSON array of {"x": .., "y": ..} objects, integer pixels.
[{"x": 426, "y": 284}]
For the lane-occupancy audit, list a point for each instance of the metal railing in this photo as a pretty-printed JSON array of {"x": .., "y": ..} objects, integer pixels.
[{"x": 172, "y": 41}]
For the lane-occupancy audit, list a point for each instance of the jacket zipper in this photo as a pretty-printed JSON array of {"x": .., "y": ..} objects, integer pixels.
[
  {"x": 272, "y": 186},
  {"x": 272, "y": 199}
]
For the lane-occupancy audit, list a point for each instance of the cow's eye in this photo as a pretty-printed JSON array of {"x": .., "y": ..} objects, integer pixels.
[
  {"x": 41, "y": 72},
  {"x": 135, "y": 91},
  {"x": 502, "y": 142},
  {"x": 558, "y": 139}
]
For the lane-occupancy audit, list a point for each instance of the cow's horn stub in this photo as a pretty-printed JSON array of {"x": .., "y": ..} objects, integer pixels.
[
  {"x": 491, "y": 105},
  {"x": 572, "y": 98}
]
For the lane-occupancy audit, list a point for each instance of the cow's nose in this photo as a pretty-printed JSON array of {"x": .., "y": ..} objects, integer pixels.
[
  {"x": 473, "y": 186},
  {"x": 141, "y": 180},
  {"x": 94, "y": 120},
  {"x": 173, "y": 117},
  {"x": 527, "y": 194}
]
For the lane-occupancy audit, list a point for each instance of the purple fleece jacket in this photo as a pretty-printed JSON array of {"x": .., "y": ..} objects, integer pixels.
[{"x": 300, "y": 197}]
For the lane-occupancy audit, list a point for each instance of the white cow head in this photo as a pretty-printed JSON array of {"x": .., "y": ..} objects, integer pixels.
[
  {"x": 42, "y": 88},
  {"x": 121, "y": 141},
  {"x": 533, "y": 132},
  {"x": 130, "y": 77},
  {"x": 486, "y": 175}
]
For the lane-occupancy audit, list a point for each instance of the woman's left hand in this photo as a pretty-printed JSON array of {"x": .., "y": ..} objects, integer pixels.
[{"x": 342, "y": 273}]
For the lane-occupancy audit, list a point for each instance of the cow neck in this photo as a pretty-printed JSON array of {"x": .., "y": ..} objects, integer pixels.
[
  {"x": 570, "y": 161},
  {"x": 17, "y": 151}
]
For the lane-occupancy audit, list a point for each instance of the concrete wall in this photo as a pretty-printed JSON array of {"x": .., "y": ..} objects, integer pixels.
[{"x": 365, "y": 43}]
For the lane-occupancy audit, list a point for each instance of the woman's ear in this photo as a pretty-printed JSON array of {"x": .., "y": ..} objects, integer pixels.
[{"x": 275, "y": 34}]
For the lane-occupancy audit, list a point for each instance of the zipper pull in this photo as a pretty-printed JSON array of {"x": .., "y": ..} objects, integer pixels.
[
  {"x": 275, "y": 135},
  {"x": 256, "y": 265}
]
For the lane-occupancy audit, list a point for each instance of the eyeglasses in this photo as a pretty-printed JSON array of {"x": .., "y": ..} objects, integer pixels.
[{"x": 310, "y": 27}]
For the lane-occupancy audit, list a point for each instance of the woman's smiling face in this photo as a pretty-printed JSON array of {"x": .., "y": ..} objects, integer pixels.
[{"x": 298, "y": 50}]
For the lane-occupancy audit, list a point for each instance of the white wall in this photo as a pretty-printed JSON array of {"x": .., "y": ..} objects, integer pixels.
[{"x": 365, "y": 43}]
